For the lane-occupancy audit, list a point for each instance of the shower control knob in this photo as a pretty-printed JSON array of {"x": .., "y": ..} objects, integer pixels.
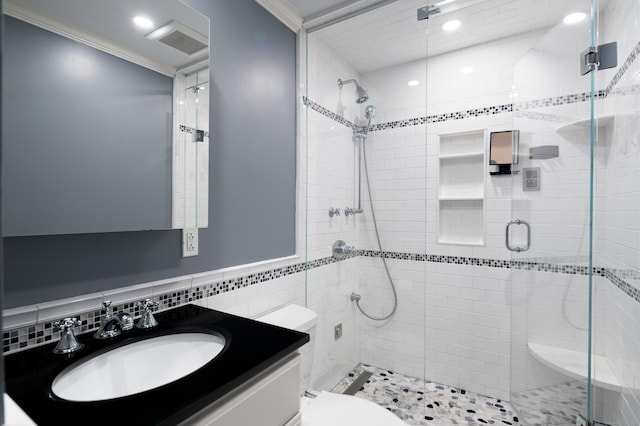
[
  {"x": 341, "y": 250},
  {"x": 334, "y": 212}
]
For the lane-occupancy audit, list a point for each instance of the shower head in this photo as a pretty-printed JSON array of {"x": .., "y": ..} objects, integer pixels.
[
  {"x": 361, "y": 94},
  {"x": 370, "y": 112}
]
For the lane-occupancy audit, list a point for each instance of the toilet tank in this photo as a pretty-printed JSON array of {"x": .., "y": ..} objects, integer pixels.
[{"x": 302, "y": 319}]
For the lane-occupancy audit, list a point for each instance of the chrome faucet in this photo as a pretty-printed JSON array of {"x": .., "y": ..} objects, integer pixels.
[{"x": 112, "y": 324}]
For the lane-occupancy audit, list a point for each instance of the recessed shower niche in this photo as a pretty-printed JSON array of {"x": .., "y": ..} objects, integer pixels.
[{"x": 461, "y": 188}]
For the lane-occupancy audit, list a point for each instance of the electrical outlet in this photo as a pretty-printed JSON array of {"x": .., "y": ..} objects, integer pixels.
[
  {"x": 189, "y": 242},
  {"x": 337, "y": 331}
]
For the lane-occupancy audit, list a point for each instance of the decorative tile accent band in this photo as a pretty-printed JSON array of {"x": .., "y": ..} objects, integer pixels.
[
  {"x": 623, "y": 69},
  {"x": 518, "y": 107},
  {"x": 529, "y": 265},
  {"x": 461, "y": 115},
  {"x": 619, "y": 282},
  {"x": 539, "y": 116},
  {"x": 558, "y": 100},
  {"x": 439, "y": 118},
  {"x": 191, "y": 130},
  {"x": 41, "y": 333},
  {"x": 626, "y": 91},
  {"x": 324, "y": 111}
]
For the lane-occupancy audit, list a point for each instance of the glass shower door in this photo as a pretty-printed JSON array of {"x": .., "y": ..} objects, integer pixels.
[{"x": 550, "y": 232}]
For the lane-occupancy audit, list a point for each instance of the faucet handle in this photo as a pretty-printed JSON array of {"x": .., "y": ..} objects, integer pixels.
[
  {"x": 68, "y": 342},
  {"x": 66, "y": 323},
  {"x": 147, "y": 320},
  {"x": 107, "y": 307},
  {"x": 147, "y": 304}
]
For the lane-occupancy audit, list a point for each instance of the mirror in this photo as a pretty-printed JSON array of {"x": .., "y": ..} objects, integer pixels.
[
  {"x": 105, "y": 123},
  {"x": 503, "y": 150}
]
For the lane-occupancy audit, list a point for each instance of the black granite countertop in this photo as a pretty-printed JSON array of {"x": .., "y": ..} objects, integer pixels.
[{"x": 251, "y": 346}]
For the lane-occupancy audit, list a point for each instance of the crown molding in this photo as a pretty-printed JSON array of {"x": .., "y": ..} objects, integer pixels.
[
  {"x": 283, "y": 12},
  {"x": 27, "y": 15}
]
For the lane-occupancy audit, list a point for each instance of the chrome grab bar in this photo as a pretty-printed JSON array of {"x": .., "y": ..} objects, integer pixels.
[{"x": 506, "y": 239}]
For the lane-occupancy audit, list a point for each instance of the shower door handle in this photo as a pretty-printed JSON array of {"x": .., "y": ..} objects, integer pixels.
[{"x": 506, "y": 239}]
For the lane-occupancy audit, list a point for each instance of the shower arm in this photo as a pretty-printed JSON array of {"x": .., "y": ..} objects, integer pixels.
[{"x": 342, "y": 82}]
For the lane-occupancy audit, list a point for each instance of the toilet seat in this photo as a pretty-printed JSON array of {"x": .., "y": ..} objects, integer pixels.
[{"x": 332, "y": 409}]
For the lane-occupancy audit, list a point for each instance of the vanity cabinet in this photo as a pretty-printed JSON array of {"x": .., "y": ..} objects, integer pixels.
[
  {"x": 461, "y": 188},
  {"x": 270, "y": 399},
  {"x": 254, "y": 380}
]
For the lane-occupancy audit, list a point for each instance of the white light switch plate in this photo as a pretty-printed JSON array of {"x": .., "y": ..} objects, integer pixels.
[{"x": 189, "y": 242}]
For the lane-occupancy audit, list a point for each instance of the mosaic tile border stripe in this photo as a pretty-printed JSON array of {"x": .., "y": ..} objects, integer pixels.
[
  {"x": 33, "y": 335},
  {"x": 542, "y": 116},
  {"x": 327, "y": 113},
  {"x": 626, "y": 288},
  {"x": 528, "y": 265},
  {"x": 616, "y": 276},
  {"x": 460, "y": 115},
  {"x": 518, "y": 107},
  {"x": 191, "y": 130},
  {"x": 623, "y": 69}
]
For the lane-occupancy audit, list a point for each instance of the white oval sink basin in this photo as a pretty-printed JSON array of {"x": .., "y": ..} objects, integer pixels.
[{"x": 137, "y": 367}]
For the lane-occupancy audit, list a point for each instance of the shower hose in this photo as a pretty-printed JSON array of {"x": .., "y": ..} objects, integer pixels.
[{"x": 355, "y": 297}]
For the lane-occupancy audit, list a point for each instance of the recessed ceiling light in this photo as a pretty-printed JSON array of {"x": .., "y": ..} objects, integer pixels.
[
  {"x": 143, "y": 22},
  {"x": 574, "y": 18},
  {"x": 443, "y": 2},
  {"x": 413, "y": 83},
  {"x": 451, "y": 25}
]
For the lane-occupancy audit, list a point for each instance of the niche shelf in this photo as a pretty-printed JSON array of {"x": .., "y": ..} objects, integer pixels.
[
  {"x": 574, "y": 364},
  {"x": 462, "y": 188}
]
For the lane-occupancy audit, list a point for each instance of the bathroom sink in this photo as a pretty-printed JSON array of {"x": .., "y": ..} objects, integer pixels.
[{"x": 137, "y": 367}]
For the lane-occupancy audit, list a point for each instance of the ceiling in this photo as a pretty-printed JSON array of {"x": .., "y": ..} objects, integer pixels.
[
  {"x": 387, "y": 34},
  {"x": 109, "y": 23},
  {"x": 391, "y": 35}
]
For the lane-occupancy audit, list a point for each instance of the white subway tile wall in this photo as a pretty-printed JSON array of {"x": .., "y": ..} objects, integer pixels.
[{"x": 618, "y": 209}]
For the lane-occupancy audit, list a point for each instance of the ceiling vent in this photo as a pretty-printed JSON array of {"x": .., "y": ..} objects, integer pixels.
[{"x": 180, "y": 37}]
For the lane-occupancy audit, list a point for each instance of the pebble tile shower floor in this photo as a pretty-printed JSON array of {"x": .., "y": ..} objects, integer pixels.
[{"x": 420, "y": 402}]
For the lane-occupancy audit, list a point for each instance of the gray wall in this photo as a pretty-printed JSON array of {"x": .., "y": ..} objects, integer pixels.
[
  {"x": 87, "y": 138},
  {"x": 252, "y": 175}
]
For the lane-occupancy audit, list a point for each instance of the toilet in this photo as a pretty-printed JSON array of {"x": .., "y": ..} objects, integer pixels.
[{"x": 328, "y": 408}]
